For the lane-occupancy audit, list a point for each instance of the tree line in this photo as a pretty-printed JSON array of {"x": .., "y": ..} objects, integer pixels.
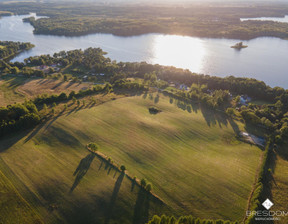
[
  {"x": 186, "y": 220},
  {"x": 10, "y": 48}
]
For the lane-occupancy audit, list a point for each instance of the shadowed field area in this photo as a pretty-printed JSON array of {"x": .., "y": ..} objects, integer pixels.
[{"x": 189, "y": 154}]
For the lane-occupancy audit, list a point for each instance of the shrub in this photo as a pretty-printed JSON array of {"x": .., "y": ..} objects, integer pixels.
[{"x": 93, "y": 146}]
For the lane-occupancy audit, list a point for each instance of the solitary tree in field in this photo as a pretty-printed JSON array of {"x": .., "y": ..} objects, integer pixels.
[
  {"x": 93, "y": 146},
  {"x": 54, "y": 105}
]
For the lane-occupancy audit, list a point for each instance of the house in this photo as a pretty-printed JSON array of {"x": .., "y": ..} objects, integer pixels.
[
  {"x": 183, "y": 86},
  {"x": 244, "y": 100},
  {"x": 43, "y": 67}
]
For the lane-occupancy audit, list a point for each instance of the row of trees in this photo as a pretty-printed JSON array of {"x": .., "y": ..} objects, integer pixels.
[
  {"x": 48, "y": 99},
  {"x": 214, "y": 99},
  {"x": 124, "y": 84},
  {"x": 186, "y": 220}
]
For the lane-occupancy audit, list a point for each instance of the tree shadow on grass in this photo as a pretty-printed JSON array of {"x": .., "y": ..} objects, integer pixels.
[
  {"x": 156, "y": 99},
  {"x": 234, "y": 125},
  {"x": 40, "y": 126},
  {"x": 141, "y": 208},
  {"x": 79, "y": 108},
  {"x": 71, "y": 111},
  {"x": 116, "y": 190},
  {"x": 57, "y": 85},
  {"x": 69, "y": 84},
  {"x": 54, "y": 119},
  {"x": 183, "y": 104},
  {"x": 82, "y": 169},
  {"x": 133, "y": 185},
  {"x": 216, "y": 117},
  {"x": 34, "y": 132},
  {"x": 145, "y": 95},
  {"x": 9, "y": 140}
]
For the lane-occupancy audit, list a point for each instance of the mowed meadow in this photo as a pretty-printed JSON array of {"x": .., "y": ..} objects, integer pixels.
[{"x": 189, "y": 154}]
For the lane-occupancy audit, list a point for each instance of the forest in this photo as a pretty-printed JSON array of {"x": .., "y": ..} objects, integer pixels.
[{"x": 194, "y": 20}]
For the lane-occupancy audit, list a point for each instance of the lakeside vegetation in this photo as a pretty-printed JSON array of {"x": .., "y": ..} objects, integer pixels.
[
  {"x": 92, "y": 65},
  {"x": 10, "y": 48},
  {"x": 5, "y": 13},
  {"x": 205, "y": 20}
]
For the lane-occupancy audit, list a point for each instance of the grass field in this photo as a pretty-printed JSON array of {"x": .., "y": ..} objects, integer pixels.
[
  {"x": 16, "y": 89},
  {"x": 8, "y": 90},
  {"x": 190, "y": 155},
  {"x": 280, "y": 184},
  {"x": 13, "y": 207}
]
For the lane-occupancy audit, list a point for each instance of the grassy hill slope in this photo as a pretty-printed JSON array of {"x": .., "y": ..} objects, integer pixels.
[{"x": 191, "y": 157}]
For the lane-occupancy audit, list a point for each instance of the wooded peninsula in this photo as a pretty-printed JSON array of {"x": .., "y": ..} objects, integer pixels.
[{"x": 193, "y": 20}]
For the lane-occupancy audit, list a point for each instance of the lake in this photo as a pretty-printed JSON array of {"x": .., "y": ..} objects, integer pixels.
[{"x": 264, "y": 59}]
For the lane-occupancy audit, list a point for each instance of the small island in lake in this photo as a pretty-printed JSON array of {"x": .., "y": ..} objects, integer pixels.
[{"x": 239, "y": 45}]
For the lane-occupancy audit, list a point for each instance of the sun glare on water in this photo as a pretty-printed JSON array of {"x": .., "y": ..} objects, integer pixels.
[{"x": 169, "y": 50}]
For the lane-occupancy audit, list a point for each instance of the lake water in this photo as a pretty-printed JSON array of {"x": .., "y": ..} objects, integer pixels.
[{"x": 264, "y": 59}]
